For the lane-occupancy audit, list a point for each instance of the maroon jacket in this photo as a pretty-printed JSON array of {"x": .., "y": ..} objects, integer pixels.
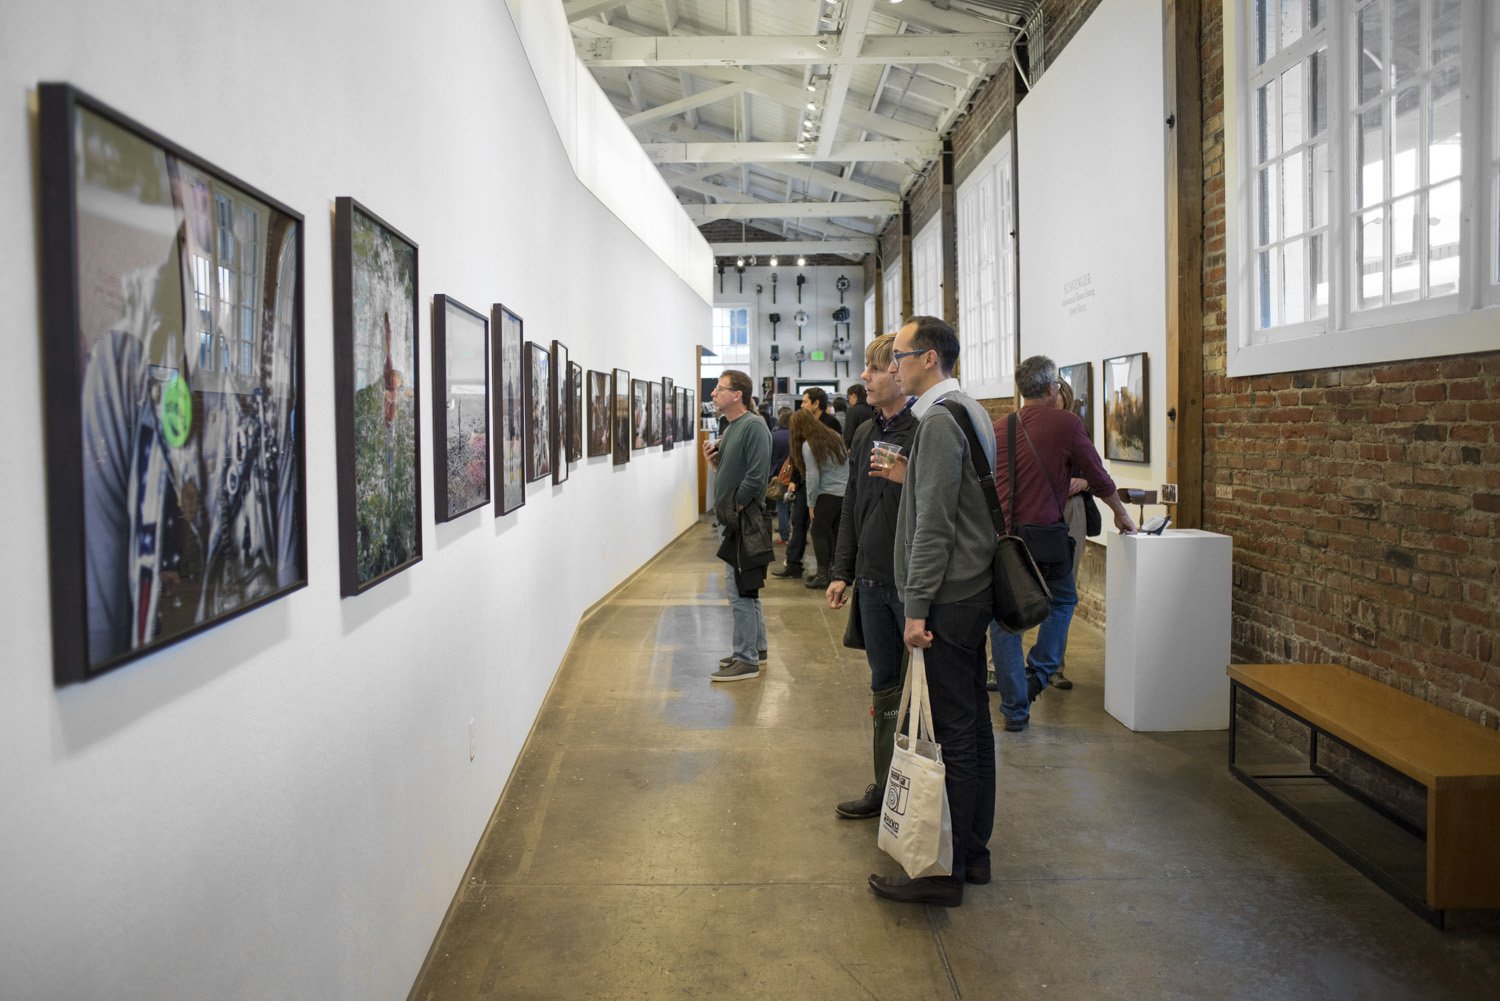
[{"x": 1063, "y": 446}]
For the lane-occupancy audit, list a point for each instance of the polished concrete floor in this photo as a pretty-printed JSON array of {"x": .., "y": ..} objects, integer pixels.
[{"x": 665, "y": 837}]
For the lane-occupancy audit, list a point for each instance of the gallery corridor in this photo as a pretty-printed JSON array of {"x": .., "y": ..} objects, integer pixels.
[{"x": 663, "y": 837}]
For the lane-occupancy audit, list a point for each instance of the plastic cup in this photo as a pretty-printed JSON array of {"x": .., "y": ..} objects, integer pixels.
[{"x": 883, "y": 454}]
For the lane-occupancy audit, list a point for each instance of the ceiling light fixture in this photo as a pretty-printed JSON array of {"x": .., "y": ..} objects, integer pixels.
[{"x": 801, "y": 262}]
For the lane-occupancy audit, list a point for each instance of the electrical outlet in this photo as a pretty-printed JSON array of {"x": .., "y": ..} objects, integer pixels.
[{"x": 471, "y": 739}]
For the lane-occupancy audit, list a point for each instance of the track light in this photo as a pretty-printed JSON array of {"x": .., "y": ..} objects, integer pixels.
[
  {"x": 773, "y": 260},
  {"x": 801, "y": 262},
  {"x": 740, "y": 261}
]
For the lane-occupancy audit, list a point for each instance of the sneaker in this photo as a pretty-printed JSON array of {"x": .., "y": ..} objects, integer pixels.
[
  {"x": 1059, "y": 680},
  {"x": 726, "y": 661},
  {"x": 787, "y": 570},
  {"x": 1017, "y": 725},
  {"x": 736, "y": 670},
  {"x": 867, "y": 807}
]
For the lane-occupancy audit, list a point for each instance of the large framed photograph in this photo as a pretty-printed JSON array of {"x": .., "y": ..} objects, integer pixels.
[
  {"x": 653, "y": 414},
  {"x": 639, "y": 399},
  {"x": 562, "y": 405},
  {"x": 376, "y": 401},
  {"x": 173, "y": 337},
  {"x": 600, "y": 405},
  {"x": 684, "y": 417},
  {"x": 575, "y": 412},
  {"x": 668, "y": 414},
  {"x": 461, "y": 388},
  {"x": 539, "y": 407},
  {"x": 1080, "y": 379},
  {"x": 620, "y": 412},
  {"x": 1127, "y": 409},
  {"x": 510, "y": 409}
]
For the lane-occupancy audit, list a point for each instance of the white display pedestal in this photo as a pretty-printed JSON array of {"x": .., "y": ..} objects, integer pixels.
[{"x": 1166, "y": 642}]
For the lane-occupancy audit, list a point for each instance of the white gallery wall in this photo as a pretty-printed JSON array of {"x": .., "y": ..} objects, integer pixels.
[
  {"x": 283, "y": 806},
  {"x": 1091, "y": 142}
]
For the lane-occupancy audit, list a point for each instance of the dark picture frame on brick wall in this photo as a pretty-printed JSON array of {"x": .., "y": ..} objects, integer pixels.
[
  {"x": 1127, "y": 409},
  {"x": 562, "y": 406},
  {"x": 173, "y": 328},
  {"x": 509, "y": 424},
  {"x": 619, "y": 393},
  {"x": 540, "y": 407},
  {"x": 461, "y": 398},
  {"x": 1080, "y": 379},
  {"x": 377, "y": 398}
]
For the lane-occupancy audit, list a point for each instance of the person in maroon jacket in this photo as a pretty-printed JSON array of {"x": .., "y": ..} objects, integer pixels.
[{"x": 1050, "y": 444}]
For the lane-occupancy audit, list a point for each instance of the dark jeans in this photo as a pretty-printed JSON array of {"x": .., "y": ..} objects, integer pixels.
[
  {"x": 797, "y": 545},
  {"x": 961, "y": 717},
  {"x": 825, "y": 529},
  {"x": 883, "y": 623}
]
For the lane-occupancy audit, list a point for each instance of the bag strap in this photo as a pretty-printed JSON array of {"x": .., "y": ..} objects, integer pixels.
[
  {"x": 1062, "y": 503},
  {"x": 916, "y": 704},
  {"x": 981, "y": 465}
]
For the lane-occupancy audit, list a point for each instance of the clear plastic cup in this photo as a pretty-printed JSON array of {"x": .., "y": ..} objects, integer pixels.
[{"x": 883, "y": 454}]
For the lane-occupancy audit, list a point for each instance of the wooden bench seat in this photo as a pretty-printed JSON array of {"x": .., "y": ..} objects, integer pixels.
[{"x": 1457, "y": 760}]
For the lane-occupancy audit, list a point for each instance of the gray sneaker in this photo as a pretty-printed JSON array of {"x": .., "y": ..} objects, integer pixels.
[
  {"x": 736, "y": 670},
  {"x": 726, "y": 661}
]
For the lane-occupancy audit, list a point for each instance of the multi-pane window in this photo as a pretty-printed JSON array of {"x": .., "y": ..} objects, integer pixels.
[
  {"x": 987, "y": 274},
  {"x": 927, "y": 271},
  {"x": 732, "y": 335},
  {"x": 892, "y": 292},
  {"x": 1364, "y": 209},
  {"x": 226, "y": 250},
  {"x": 870, "y": 332}
]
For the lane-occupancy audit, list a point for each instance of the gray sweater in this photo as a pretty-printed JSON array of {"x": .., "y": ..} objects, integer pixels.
[
  {"x": 744, "y": 460},
  {"x": 945, "y": 539}
]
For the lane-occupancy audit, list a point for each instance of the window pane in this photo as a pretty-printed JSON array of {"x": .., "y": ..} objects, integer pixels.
[
  {"x": 1406, "y": 40},
  {"x": 1265, "y": 113},
  {"x": 1369, "y": 186},
  {"x": 1443, "y": 211},
  {"x": 1318, "y": 184},
  {"x": 1406, "y": 274},
  {"x": 1317, "y": 262},
  {"x": 1268, "y": 208},
  {"x": 1447, "y": 27},
  {"x": 1369, "y": 252},
  {"x": 1314, "y": 13},
  {"x": 1263, "y": 31},
  {"x": 1406, "y": 139},
  {"x": 1291, "y": 21},
  {"x": 1318, "y": 85},
  {"x": 1291, "y": 107},
  {"x": 1268, "y": 317},
  {"x": 1445, "y": 148},
  {"x": 1293, "y": 192},
  {"x": 1294, "y": 282},
  {"x": 1371, "y": 51}
]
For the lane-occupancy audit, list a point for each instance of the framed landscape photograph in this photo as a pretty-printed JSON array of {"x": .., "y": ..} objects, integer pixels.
[
  {"x": 1127, "y": 409},
  {"x": 1080, "y": 378},
  {"x": 562, "y": 406},
  {"x": 600, "y": 406},
  {"x": 376, "y": 398},
  {"x": 172, "y": 320},
  {"x": 668, "y": 414},
  {"x": 620, "y": 414},
  {"x": 575, "y": 412},
  {"x": 461, "y": 388},
  {"x": 638, "y": 409},
  {"x": 509, "y": 418},
  {"x": 539, "y": 412}
]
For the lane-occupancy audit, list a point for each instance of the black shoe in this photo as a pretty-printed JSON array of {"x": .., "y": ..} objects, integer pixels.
[
  {"x": 788, "y": 570},
  {"x": 1060, "y": 680},
  {"x": 867, "y": 807},
  {"x": 819, "y": 583},
  {"x": 990, "y": 686},
  {"x": 977, "y": 874},
  {"x": 1016, "y": 725},
  {"x": 938, "y": 890},
  {"x": 1033, "y": 687}
]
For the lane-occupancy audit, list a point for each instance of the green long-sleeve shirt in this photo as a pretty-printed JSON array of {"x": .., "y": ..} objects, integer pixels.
[{"x": 744, "y": 460}]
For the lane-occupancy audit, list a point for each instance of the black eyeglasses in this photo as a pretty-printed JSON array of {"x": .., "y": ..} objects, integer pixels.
[{"x": 896, "y": 356}]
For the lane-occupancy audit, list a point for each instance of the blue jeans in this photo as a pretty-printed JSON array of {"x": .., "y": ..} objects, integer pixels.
[
  {"x": 749, "y": 622},
  {"x": 1046, "y": 654},
  {"x": 884, "y": 624}
]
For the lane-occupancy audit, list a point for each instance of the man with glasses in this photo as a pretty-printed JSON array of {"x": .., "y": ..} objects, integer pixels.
[{"x": 944, "y": 549}]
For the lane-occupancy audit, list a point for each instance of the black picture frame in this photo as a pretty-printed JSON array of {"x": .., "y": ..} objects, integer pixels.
[
  {"x": 668, "y": 414},
  {"x": 1127, "y": 408},
  {"x": 461, "y": 415},
  {"x": 158, "y": 462},
  {"x": 620, "y": 396},
  {"x": 376, "y": 422},
  {"x": 684, "y": 416},
  {"x": 562, "y": 406},
  {"x": 539, "y": 412},
  {"x": 1080, "y": 378},
  {"x": 575, "y": 412},
  {"x": 600, "y": 408},
  {"x": 640, "y": 400},
  {"x": 508, "y": 360}
]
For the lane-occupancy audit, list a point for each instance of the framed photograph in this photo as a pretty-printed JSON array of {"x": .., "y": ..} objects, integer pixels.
[
  {"x": 619, "y": 392},
  {"x": 668, "y": 414},
  {"x": 1080, "y": 378},
  {"x": 539, "y": 407},
  {"x": 600, "y": 406},
  {"x": 562, "y": 406},
  {"x": 172, "y": 320},
  {"x": 509, "y": 421},
  {"x": 376, "y": 399},
  {"x": 685, "y": 411},
  {"x": 461, "y": 387},
  {"x": 1127, "y": 409},
  {"x": 639, "y": 400},
  {"x": 653, "y": 413},
  {"x": 575, "y": 413}
]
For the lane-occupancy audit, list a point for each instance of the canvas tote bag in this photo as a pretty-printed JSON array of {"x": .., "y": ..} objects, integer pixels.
[{"x": 915, "y": 827}]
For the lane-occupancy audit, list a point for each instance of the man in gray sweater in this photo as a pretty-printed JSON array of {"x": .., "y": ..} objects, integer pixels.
[{"x": 945, "y": 544}]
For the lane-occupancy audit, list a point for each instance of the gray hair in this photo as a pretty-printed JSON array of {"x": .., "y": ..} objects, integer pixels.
[{"x": 1034, "y": 375}]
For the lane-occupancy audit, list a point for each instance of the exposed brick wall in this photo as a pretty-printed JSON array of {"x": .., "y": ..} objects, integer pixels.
[
  {"x": 925, "y": 198},
  {"x": 990, "y": 115}
]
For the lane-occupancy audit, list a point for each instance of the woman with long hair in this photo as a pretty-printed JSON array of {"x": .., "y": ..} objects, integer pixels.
[{"x": 818, "y": 454}]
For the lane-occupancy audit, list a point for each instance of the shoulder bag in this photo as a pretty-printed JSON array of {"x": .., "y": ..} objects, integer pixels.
[
  {"x": 1049, "y": 545},
  {"x": 1021, "y": 598}
]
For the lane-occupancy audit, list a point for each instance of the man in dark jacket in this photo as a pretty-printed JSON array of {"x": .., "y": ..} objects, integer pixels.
[
  {"x": 859, "y": 410},
  {"x": 867, "y": 538}
]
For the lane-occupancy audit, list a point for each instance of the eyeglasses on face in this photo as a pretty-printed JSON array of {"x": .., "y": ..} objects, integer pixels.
[{"x": 896, "y": 356}]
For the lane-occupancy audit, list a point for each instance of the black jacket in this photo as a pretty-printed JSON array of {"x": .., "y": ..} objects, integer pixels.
[
  {"x": 747, "y": 543},
  {"x": 867, "y": 528},
  {"x": 858, "y": 414}
]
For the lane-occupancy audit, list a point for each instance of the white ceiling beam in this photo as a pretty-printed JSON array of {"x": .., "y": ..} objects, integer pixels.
[
  {"x": 832, "y": 182},
  {"x": 922, "y": 88},
  {"x": 791, "y": 96},
  {"x": 669, "y": 14},
  {"x": 856, "y": 247},
  {"x": 856, "y": 20},
  {"x": 792, "y": 210},
  {"x": 677, "y": 107},
  {"x": 769, "y": 152},
  {"x": 577, "y": 10},
  {"x": 637, "y": 96},
  {"x": 924, "y": 13},
  {"x": 724, "y": 194},
  {"x": 793, "y": 50}
]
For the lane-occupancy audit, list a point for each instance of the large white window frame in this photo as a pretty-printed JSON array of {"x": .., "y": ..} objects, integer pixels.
[
  {"x": 870, "y": 332},
  {"x": 1347, "y": 332},
  {"x": 892, "y": 292},
  {"x": 732, "y": 337},
  {"x": 986, "y": 209},
  {"x": 927, "y": 270}
]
